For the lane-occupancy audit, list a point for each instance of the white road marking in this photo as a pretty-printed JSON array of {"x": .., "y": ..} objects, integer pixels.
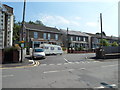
[
  {"x": 66, "y": 60},
  {"x": 100, "y": 87},
  {"x": 96, "y": 61},
  {"x": 50, "y": 71},
  {"x": 51, "y": 64},
  {"x": 109, "y": 65},
  {"x": 7, "y": 75},
  {"x": 43, "y": 64},
  {"x": 59, "y": 64},
  {"x": 83, "y": 62},
  {"x": 82, "y": 68},
  {"x": 113, "y": 85},
  {"x": 66, "y": 63},
  {"x": 63, "y": 70},
  {"x": 77, "y": 62},
  {"x": 70, "y": 62}
]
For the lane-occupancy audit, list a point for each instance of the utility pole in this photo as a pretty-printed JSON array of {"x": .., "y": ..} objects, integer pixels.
[
  {"x": 22, "y": 31},
  {"x": 67, "y": 42},
  {"x": 101, "y": 30}
]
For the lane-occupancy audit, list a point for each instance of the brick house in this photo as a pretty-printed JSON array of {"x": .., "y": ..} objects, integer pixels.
[{"x": 37, "y": 34}]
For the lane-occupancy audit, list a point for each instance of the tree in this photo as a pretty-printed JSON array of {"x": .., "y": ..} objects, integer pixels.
[
  {"x": 114, "y": 44},
  {"x": 39, "y": 22},
  {"x": 31, "y": 22},
  {"x": 100, "y": 33},
  {"x": 104, "y": 42},
  {"x": 16, "y": 32}
]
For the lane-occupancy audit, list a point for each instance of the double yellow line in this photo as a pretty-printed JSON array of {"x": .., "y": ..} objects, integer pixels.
[{"x": 33, "y": 65}]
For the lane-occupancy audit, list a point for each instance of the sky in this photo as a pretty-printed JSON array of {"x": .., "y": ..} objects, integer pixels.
[{"x": 78, "y": 16}]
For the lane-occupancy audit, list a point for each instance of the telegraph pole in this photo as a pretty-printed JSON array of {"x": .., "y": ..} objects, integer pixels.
[
  {"x": 22, "y": 31},
  {"x": 67, "y": 41},
  {"x": 101, "y": 30}
]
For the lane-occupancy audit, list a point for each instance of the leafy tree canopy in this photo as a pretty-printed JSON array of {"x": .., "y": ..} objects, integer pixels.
[
  {"x": 100, "y": 33},
  {"x": 114, "y": 44},
  {"x": 104, "y": 42}
]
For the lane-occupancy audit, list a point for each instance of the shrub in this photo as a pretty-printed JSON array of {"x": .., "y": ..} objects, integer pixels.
[{"x": 114, "y": 44}]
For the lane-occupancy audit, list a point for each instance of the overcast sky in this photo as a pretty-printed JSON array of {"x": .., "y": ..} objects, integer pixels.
[{"x": 79, "y": 16}]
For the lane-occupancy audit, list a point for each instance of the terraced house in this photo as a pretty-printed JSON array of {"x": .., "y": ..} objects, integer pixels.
[
  {"x": 38, "y": 34},
  {"x": 95, "y": 40},
  {"x": 75, "y": 40}
]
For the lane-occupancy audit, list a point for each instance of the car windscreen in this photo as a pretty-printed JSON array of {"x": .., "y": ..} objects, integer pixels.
[{"x": 38, "y": 50}]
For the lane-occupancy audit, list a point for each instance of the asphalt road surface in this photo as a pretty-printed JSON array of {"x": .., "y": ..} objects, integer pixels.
[{"x": 64, "y": 71}]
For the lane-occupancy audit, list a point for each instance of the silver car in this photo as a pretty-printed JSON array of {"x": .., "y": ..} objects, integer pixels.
[{"x": 38, "y": 53}]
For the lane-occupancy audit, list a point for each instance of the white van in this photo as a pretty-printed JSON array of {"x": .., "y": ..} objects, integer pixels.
[{"x": 51, "y": 49}]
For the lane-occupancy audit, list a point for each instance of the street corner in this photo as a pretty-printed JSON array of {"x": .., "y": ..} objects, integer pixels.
[{"x": 31, "y": 63}]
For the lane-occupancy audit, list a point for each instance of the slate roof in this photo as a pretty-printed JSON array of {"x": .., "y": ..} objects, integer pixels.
[
  {"x": 105, "y": 37},
  {"x": 41, "y": 28},
  {"x": 77, "y": 33}
]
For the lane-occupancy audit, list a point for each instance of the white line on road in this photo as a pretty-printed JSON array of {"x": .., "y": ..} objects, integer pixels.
[
  {"x": 66, "y": 63},
  {"x": 50, "y": 71},
  {"x": 59, "y": 64},
  {"x": 51, "y": 64},
  {"x": 7, "y": 75},
  {"x": 63, "y": 70},
  {"x": 100, "y": 87},
  {"x": 66, "y": 60},
  {"x": 43, "y": 64},
  {"x": 109, "y": 65},
  {"x": 77, "y": 62}
]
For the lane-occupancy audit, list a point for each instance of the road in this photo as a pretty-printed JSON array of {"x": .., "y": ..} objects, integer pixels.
[{"x": 64, "y": 71}]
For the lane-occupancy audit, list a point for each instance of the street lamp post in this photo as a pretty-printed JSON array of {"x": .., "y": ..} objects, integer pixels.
[{"x": 22, "y": 30}]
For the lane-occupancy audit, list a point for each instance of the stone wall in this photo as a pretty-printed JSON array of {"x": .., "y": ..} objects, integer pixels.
[{"x": 111, "y": 49}]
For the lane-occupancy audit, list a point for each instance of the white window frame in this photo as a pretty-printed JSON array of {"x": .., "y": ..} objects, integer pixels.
[
  {"x": 44, "y": 35},
  {"x": 56, "y": 36},
  {"x": 48, "y": 36}
]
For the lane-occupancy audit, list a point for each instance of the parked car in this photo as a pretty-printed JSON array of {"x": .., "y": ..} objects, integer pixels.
[
  {"x": 38, "y": 53},
  {"x": 51, "y": 49}
]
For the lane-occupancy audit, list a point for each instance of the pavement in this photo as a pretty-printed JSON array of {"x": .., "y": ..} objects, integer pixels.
[{"x": 25, "y": 63}]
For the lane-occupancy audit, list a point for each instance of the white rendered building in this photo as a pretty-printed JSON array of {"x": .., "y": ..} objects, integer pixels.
[{"x": 6, "y": 26}]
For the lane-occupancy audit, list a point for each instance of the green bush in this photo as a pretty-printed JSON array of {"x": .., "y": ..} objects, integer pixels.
[
  {"x": 80, "y": 48},
  {"x": 114, "y": 44},
  {"x": 63, "y": 48},
  {"x": 104, "y": 42}
]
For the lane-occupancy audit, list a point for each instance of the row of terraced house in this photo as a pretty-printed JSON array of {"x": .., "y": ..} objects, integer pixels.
[{"x": 37, "y": 34}]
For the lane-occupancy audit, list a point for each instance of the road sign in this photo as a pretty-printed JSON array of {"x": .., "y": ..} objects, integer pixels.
[{"x": 22, "y": 44}]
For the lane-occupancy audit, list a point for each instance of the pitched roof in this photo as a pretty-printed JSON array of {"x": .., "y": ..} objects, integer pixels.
[
  {"x": 8, "y": 8},
  {"x": 41, "y": 28},
  {"x": 77, "y": 33},
  {"x": 106, "y": 37}
]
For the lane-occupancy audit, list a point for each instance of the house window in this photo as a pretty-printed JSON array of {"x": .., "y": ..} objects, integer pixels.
[
  {"x": 71, "y": 38},
  {"x": 56, "y": 36},
  {"x": 84, "y": 39},
  {"x": 76, "y": 38},
  {"x": 35, "y": 35},
  {"x": 79, "y": 39},
  {"x": 48, "y": 36},
  {"x": 44, "y": 35}
]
